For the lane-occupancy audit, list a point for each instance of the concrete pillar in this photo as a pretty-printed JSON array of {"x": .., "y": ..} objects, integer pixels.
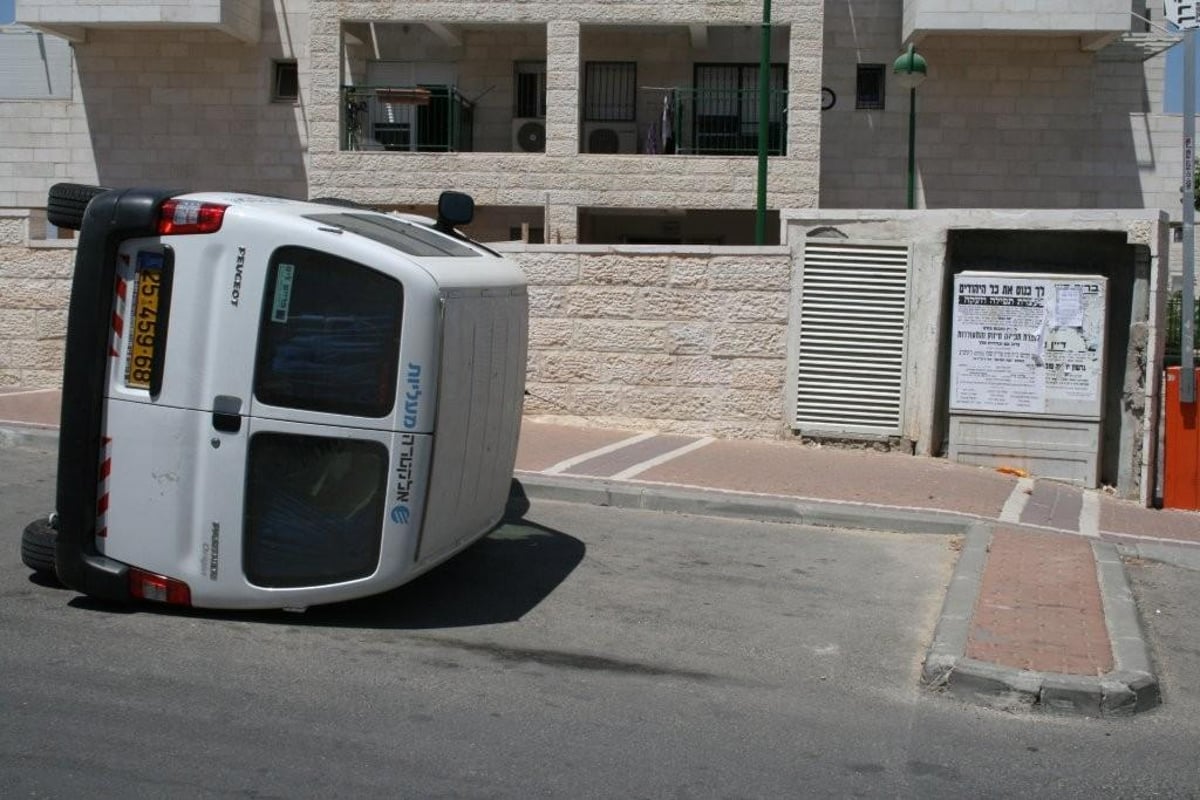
[
  {"x": 562, "y": 90},
  {"x": 562, "y": 223}
]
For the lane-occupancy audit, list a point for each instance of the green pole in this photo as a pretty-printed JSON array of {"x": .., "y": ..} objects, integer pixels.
[
  {"x": 912, "y": 148},
  {"x": 764, "y": 122}
]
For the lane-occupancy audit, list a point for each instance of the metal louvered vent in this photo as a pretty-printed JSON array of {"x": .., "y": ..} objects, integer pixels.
[{"x": 849, "y": 351}]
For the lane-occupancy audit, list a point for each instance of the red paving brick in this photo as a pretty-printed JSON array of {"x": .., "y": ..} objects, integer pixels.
[
  {"x": 543, "y": 445},
  {"x": 1039, "y": 606},
  {"x": 30, "y": 407},
  {"x": 787, "y": 468},
  {"x": 1123, "y": 516}
]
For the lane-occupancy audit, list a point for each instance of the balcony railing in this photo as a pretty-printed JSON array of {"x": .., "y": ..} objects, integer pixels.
[
  {"x": 682, "y": 121},
  {"x": 712, "y": 122},
  {"x": 431, "y": 119}
]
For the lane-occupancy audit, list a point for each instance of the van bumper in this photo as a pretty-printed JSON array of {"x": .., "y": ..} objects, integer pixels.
[{"x": 109, "y": 219}]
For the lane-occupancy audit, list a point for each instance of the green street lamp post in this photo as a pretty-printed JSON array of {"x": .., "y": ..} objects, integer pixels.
[
  {"x": 910, "y": 70},
  {"x": 764, "y": 121}
]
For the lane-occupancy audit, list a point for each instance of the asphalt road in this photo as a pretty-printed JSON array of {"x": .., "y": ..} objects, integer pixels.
[{"x": 583, "y": 652}]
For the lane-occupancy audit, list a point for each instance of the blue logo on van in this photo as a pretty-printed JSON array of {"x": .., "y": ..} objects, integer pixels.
[
  {"x": 412, "y": 395},
  {"x": 400, "y": 515}
]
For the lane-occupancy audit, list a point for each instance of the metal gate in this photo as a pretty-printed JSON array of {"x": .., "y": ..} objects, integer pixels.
[{"x": 847, "y": 349}]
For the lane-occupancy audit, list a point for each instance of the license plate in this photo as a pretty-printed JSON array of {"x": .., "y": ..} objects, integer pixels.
[{"x": 143, "y": 328}]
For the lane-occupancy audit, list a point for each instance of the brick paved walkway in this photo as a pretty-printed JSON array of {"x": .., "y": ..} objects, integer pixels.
[{"x": 1039, "y": 606}]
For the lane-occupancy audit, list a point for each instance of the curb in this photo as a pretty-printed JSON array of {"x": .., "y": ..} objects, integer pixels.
[
  {"x": 1131, "y": 687},
  {"x": 718, "y": 503}
]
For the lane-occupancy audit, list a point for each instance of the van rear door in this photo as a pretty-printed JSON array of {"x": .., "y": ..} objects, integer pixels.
[{"x": 181, "y": 359}]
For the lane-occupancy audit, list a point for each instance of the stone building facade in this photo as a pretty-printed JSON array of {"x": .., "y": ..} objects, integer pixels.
[{"x": 648, "y": 306}]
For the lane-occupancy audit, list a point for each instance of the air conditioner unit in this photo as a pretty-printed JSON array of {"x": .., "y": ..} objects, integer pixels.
[
  {"x": 610, "y": 137},
  {"x": 529, "y": 135}
]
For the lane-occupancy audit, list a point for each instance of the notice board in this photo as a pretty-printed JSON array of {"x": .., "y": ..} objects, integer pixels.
[{"x": 1028, "y": 344}]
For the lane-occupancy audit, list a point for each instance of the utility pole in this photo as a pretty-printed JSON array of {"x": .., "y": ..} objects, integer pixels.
[
  {"x": 1183, "y": 15},
  {"x": 1187, "y": 340}
]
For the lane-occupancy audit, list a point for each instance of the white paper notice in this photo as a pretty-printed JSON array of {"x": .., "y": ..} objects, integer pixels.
[{"x": 1068, "y": 307}]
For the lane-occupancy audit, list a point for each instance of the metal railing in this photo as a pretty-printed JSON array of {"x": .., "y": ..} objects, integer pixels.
[
  {"x": 715, "y": 122},
  {"x": 1172, "y": 356},
  {"x": 432, "y": 119}
]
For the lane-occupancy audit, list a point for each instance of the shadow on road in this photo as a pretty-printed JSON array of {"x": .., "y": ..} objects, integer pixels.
[{"x": 499, "y": 579}]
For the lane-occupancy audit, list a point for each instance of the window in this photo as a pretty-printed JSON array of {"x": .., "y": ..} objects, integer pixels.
[
  {"x": 725, "y": 111},
  {"x": 330, "y": 335},
  {"x": 285, "y": 82},
  {"x": 610, "y": 91},
  {"x": 869, "y": 93},
  {"x": 314, "y": 509},
  {"x": 34, "y": 65},
  {"x": 529, "y": 93}
]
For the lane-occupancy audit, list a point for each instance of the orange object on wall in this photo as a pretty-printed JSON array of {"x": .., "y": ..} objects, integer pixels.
[{"x": 1181, "y": 472}]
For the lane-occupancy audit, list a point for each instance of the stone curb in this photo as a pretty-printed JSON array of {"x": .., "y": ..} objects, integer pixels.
[
  {"x": 1131, "y": 686},
  {"x": 718, "y": 503}
]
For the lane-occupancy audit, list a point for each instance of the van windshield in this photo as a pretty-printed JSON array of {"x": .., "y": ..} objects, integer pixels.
[{"x": 404, "y": 236}]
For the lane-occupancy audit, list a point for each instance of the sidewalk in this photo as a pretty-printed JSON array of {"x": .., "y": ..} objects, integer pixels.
[{"x": 1038, "y": 614}]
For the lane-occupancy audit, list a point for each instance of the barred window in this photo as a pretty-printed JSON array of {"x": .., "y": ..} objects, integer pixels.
[
  {"x": 610, "y": 91},
  {"x": 529, "y": 89}
]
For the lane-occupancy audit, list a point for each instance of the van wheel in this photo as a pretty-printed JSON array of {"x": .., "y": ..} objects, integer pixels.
[
  {"x": 67, "y": 202},
  {"x": 37, "y": 546}
]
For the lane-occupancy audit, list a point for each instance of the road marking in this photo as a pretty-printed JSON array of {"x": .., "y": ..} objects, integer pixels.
[
  {"x": 1016, "y": 501},
  {"x": 21, "y": 392},
  {"x": 563, "y": 466},
  {"x": 638, "y": 469},
  {"x": 1089, "y": 515}
]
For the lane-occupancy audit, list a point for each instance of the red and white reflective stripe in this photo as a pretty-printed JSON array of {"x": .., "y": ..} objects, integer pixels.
[
  {"x": 102, "y": 489},
  {"x": 118, "y": 317}
]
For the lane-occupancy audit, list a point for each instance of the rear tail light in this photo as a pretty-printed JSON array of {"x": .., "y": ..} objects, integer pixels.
[
  {"x": 190, "y": 216},
  {"x": 148, "y": 586}
]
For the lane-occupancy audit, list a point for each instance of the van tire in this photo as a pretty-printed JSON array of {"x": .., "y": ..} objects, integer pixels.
[
  {"x": 66, "y": 203},
  {"x": 38, "y": 544}
]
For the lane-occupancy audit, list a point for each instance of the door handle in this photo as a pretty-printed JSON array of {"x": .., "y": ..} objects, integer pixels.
[{"x": 226, "y": 416}]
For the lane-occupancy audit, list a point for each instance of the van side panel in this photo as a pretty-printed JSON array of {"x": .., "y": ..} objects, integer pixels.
[{"x": 481, "y": 385}]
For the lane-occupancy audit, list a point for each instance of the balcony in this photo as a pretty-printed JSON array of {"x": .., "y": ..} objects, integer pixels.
[
  {"x": 668, "y": 121},
  {"x": 426, "y": 119},
  {"x": 712, "y": 122},
  {"x": 241, "y": 19},
  {"x": 1092, "y": 21}
]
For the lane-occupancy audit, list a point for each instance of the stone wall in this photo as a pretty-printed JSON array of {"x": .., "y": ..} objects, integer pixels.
[
  {"x": 676, "y": 339},
  {"x": 690, "y": 339},
  {"x": 35, "y": 284},
  {"x": 188, "y": 109}
]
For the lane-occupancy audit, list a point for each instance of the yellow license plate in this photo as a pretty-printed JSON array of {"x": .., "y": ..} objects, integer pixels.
[{"x": 143, "y": 329}]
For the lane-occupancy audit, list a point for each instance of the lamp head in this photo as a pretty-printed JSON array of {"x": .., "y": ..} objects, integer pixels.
[{"x": 910, "y": 69}]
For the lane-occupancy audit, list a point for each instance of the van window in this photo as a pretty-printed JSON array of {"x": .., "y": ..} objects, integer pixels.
[
  {"x": 407, "y": 237},
  {"x": 329, "y": 339},
  {"x": 314, "y": 509}
]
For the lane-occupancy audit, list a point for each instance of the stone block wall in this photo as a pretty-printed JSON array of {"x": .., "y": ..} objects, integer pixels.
[
  {"x": 35, "y": 285},
  {"x": 690, "y": 339},
  {"x": 185, "y": 108}
]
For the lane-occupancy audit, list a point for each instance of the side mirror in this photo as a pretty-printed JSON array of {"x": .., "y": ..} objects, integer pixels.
[{"x": 454, "y": 209}]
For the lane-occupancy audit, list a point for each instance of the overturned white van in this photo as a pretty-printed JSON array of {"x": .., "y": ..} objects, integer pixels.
[{"x": 275, "y": 404}]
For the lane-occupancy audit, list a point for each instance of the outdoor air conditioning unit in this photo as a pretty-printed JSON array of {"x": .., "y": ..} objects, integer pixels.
[
  {"x": 610, "y": 137},
  {"x": 529, "y": 135}
]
